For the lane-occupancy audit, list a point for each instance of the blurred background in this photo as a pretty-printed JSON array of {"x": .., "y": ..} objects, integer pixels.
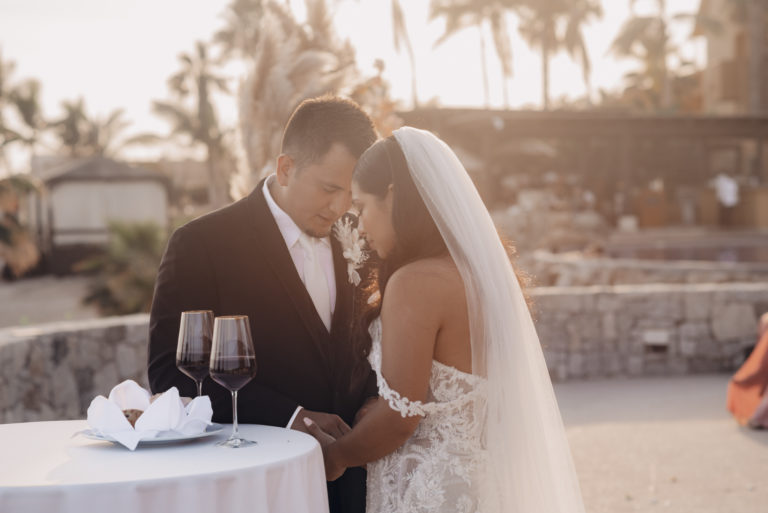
[
  {"x": 619, "y": 144},
  {"x": 621, "y": 129}
]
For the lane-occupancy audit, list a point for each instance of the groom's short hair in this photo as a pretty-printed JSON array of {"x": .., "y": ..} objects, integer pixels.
[{"x": 318, "y": 123}]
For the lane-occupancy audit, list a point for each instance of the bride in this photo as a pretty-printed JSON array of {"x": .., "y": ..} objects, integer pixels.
[{"x": 466, "y": 419}]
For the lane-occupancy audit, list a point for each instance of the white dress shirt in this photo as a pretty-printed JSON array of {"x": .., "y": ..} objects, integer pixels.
[{"x": 291, "y": 232}]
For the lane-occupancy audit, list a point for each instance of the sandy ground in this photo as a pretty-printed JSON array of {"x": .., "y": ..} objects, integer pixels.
[
  {"x": 663, "y": 444},
  {"x": 43, "y": 299}
]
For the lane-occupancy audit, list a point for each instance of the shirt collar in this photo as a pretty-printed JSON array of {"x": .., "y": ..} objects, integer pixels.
[{"x": 287, "y": 226}]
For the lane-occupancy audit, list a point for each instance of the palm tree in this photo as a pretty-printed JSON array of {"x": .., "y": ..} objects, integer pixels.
[
  {"x": 83, "y": 136},
  {"x": 6, "y": 135},
  {"x": 540, "y": 26},
  {"x": 199, "y": 124},
  {"x": 461, "y": 14},
  {"x": 400, "y": 37},
  {"x": 580, "y": 13},
  {"x": 6, "y": 71},
  {"x": 647, "y": 39},
  {"x": 73, "y": 128},
  {"x": 26, "y": 99},
  {"x": 104, "y": 134}
]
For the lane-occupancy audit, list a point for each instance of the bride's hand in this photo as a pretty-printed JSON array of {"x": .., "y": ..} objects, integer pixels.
[
  {"x": 364, "y": 409},
  {"x": 315, "y": 430},
  {"x": 333, "y": 471}
]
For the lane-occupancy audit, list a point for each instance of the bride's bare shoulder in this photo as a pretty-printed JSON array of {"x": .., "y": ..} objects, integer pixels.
[{"x": 426, "y": 284}]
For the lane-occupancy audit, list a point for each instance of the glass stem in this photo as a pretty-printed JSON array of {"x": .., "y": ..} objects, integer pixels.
[
  {"x": 235, "y": 434},
  {"x": 199, "y": 388}
]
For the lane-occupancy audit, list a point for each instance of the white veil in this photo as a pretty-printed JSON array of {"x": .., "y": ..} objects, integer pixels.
[{"x": 530, "y": 467}]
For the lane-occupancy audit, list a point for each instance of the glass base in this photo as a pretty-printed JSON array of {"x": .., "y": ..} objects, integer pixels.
[{"x": 236, "y": 442}]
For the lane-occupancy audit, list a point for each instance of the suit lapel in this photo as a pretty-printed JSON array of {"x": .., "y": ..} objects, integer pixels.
[{"x": 270, "y": 242}]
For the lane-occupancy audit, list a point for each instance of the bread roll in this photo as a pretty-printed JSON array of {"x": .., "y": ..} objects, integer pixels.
[{"x": 132, "y": 416}]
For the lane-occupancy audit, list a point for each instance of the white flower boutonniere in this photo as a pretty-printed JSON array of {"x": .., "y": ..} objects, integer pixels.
[{"x": 353, "y": 248}]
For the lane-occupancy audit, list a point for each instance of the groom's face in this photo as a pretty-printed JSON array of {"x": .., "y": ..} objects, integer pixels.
[{"x": 317, "y": 194}]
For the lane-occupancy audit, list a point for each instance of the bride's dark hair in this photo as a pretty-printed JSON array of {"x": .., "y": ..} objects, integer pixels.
[{"x": 416, "y": 234}]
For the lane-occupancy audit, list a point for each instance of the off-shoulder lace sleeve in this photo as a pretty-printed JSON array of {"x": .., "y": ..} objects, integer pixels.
[{"x": 404, "y": 406}]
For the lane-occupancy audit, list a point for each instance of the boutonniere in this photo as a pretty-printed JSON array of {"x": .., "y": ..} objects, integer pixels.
[{"x": 353, "y": 248}]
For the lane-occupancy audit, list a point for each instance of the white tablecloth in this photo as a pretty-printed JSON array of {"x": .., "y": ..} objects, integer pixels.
[{"x": 43, "y": 469}]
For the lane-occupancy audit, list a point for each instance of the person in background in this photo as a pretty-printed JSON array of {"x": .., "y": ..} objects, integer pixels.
[{"x": 747, "y": 399}]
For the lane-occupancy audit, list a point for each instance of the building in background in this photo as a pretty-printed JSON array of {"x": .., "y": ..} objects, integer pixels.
[
  {"x": 735, "y": 80},
  {"x": 70, "y": 218}
]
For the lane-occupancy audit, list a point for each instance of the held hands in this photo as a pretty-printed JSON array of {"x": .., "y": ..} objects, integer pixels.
[
  {"x": 329, "y": 423},
  {"x": 333, "y": 470}
]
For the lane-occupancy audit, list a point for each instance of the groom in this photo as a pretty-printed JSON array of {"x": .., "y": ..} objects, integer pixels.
[{"x": 273, "y": 257}]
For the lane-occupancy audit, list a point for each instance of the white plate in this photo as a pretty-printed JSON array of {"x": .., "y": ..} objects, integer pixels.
[{"x": 165, "y": 438}]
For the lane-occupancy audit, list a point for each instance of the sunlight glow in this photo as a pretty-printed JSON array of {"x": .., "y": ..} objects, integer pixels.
[{"x": 118, "y": 54}]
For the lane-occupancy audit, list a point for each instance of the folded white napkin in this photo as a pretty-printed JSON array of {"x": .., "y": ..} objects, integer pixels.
[{"x": 165, "y": 415}]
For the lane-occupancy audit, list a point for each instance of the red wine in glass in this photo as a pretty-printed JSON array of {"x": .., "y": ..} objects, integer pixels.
[
  {"x": 233, "y": 364},
  {"x": 196, "y": 369},
  {"x": 193, "y": 351},
  {"x": 234, "y": 373}
]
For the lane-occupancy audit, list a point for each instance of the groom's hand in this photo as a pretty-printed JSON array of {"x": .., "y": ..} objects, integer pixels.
[
  {"x": 328, "y": 422},
  {"x": 332, "y": 470}
]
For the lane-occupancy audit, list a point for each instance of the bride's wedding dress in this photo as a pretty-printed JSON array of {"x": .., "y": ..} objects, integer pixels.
[
  {"x": 440, "y": 467},
  {"x": 491, "y": 441}
]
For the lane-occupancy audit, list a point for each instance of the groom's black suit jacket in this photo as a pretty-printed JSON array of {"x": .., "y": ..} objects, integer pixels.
[{"x": 234, "y": 261}]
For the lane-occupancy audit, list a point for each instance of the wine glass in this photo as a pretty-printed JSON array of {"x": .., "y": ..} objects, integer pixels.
[
  {"x": 193, "y": 351},
  {"x": 233, "y": 364}
]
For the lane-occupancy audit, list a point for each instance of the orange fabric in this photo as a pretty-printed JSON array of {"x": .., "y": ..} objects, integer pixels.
[{"x": 748, "y": 385}]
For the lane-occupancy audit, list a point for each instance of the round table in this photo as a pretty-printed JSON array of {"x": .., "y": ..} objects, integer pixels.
[{"x": 43, "y": 468}]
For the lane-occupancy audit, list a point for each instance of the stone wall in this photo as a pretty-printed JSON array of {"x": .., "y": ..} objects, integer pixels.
[
  {"x": 647, "y": 329},
  {"x": 575, "y": 270},
  {"x": 53, "y": 371}
]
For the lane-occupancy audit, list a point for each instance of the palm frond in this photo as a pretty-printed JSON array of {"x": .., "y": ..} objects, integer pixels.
[
  {"x": 186, "y": 60},
  {"x": 115, "y": 119},
  {"x": 399, "y": 31},
  {"x": 182, "y": 120},
  {"x": 633, "y": 31},
  {"x": 222, "y": 84},
  {"x": 7, "y": 69},
  {"x": 9, "y": 136},
  {"x": 145, "y": 139},
  {"x": 177, "y": 83},
  {"x": 501, "y": 42},
  {"x": 455, "y": 24},
  {"x": 26, "y": 99}
]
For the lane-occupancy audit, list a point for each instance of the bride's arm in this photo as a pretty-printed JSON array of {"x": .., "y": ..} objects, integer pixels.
[{"x": 411, "y": 317}]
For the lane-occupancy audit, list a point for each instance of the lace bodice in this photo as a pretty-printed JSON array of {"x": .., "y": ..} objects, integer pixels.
[{"x": 438, "y": 468}]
